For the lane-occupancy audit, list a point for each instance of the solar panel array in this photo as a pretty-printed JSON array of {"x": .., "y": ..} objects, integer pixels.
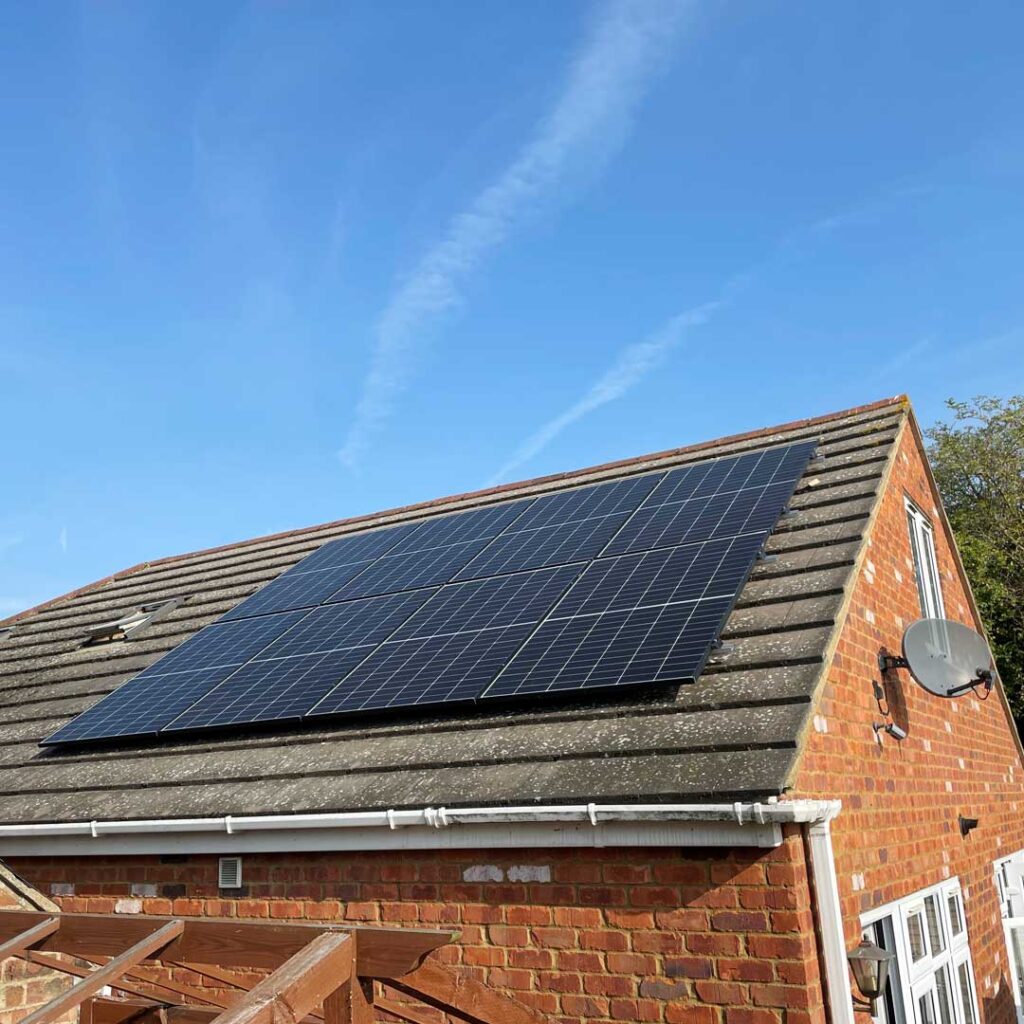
[{"x": 617, "y": 583}]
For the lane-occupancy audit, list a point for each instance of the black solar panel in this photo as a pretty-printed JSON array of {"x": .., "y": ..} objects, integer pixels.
[
  {"x": 657, "y": 643},
  {"x": 411, "y": 570},
  {"x": 479, "y": 524},
  {"x": 426, "y": 670},
  {"x": 587, "y": 502},
  {"x": 624, "y": 582},
  {"x": 142, "y": 706},
  {"x": 577, "y": 541},
  {"x": 267, "y": 691},
  {"x": 356, "y": 547},
  {"x": 297, "y": 590}
]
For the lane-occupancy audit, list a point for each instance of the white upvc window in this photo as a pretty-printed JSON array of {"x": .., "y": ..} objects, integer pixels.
[
  {"x": 926, "y": 566},
  {"x": 931, "y": 980},
  {"x": 1010, "y": 886}
]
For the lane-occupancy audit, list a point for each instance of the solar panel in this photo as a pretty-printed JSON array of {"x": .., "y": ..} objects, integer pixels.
[
  {"x": 426, "y": 670},
  {"x": 552, "y": 545},
  {"x": 268, "y": 691},
  {"x": 411, "y": 570},
  {"x": 141, "y": 706},
  {"x": 296, "y": 590},
  {"x": 617, "y": 583},
  {"x": 587, "y": 502},
  {"x": 478, "y": 524},
  {"x": 224, "y": 643},
  {"x": 644, "y": 645}
]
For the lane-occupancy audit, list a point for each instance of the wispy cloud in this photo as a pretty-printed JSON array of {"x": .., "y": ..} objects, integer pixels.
[
  {"x": 633, "y": 363},
  {"x": 587, "y": 122},
  {"x": 62, "y": 539}
]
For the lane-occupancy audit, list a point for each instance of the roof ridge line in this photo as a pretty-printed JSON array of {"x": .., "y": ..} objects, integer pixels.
[{"x": 900, "y": 399}]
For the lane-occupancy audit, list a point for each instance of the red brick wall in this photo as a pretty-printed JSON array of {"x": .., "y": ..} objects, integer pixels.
[
  {"x": 590, "y": 935},
  {"x": 898, "y": 831}
]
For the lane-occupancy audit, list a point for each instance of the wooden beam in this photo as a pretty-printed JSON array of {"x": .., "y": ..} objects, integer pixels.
[
  {"x": 107, "y": 975},
  {"x": 139, "y": 1011},
  {"x": 146, "y": 991},
  {"x": 299, "y": 984},
  {"x": 443, "y": 988},
  {"x": 21, "y": 942},
  {"x": 231, "y": 979},
  {"x": 383, "y": 952},
  {"x": 403, "y": 1011}
]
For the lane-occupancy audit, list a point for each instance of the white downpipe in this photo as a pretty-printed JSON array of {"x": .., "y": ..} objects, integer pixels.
[{"x": 830, "y": 922}]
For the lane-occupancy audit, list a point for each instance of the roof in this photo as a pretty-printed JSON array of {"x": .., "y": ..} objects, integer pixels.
[{"x": 732, "y": 735}]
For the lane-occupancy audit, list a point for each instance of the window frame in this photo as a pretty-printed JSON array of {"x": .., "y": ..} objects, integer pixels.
[
  {"x": 926, "y": 563},
  {"x": 1011, "y": 899},
  {"x": 909, "y": 980}
]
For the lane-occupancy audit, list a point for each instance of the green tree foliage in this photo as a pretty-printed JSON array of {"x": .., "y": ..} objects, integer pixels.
[{"x": 978, "y": 459}]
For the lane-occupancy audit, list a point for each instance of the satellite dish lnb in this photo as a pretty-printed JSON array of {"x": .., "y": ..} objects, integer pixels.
[{"x": 946, "y": 658}]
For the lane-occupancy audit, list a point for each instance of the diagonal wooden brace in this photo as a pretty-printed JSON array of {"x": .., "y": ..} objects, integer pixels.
[
  {"x": 26, "y": 939},
  {"x": 467, "y": 998},
  {"x": 106, "y": 975},
  {"x": 302, "y": 982}
]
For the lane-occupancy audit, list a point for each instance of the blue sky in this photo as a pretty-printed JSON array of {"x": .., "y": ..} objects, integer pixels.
[{"x": 267, "y": 265}]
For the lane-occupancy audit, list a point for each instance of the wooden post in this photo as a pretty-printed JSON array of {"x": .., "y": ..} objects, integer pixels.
[
  {"x": 107, "y": 975},
  {"x": 352, "y": 1001},
  {"x": 299, "y": 984}
]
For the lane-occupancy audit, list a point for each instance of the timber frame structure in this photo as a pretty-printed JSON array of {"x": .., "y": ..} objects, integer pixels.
[{"x": 319, "y": 974}]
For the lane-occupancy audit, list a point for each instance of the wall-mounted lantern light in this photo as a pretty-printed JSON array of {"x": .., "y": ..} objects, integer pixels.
[{"x": 870, "y": 966}]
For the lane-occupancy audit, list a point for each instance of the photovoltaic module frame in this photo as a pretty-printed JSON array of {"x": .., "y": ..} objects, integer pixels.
[{"x": 626, "y": 582}]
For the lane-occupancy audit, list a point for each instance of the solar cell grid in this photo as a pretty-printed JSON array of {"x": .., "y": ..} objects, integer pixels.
[
  {"x": 587, "y": 502},
  {"x": 141, "y": 706},
  {"x": 332, "y": 627},
  {"x": 754, "y": 510},
  {"x": 363, "y": 546},
  {"x": 458, "y": 528},
  {"x": 296, "y": 590},
  {"x": 265, "y": 691},
  {"x": 228, "y": 643},
  {"x": 577, "y": 541},
  {"x": 425, "y": 670},
  {"x": 410, "y": 571},
  {"x": 482, "y": 604},
  {"x": 657, "y": 643},
  {"x": 688, "y": 573}
]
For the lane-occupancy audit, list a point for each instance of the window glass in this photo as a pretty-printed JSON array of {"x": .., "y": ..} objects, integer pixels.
[
  {"x": 956, "y": 917},
  {"x": 963, "y": 973},
  {"x": 926, "y": 568},
  {"x": 915, "y": 933},
  {"x": 935, "y": 939},
  {"x": 1017, "y": 936},
  {"x": 926, "y": 1008},
  {"x": 943, "y": 996}
]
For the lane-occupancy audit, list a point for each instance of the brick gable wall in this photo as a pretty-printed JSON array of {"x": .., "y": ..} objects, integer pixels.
[
  {"x": 23, "y": 987},
  {"x": 701, "y": 937},
  {"x": 898, "y": 831}
]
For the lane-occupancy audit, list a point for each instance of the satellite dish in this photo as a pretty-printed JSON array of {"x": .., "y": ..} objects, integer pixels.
[{"x": 946, "y": 658}]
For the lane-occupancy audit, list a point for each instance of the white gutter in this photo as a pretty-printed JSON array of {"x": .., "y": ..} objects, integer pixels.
[{"x": 689, "y": 825}]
